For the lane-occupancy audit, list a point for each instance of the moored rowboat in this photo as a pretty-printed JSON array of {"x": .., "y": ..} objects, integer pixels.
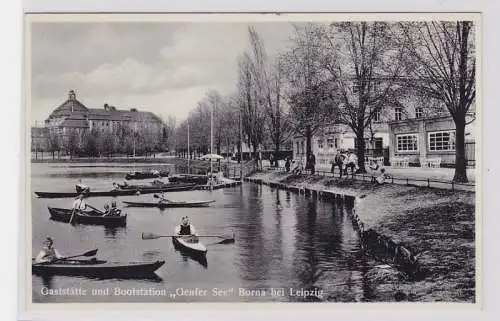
[
  {"x": 125, "y": 192},
  {"x": 97, "y": 268},
  {"x": 86, "y": 217},
  {"x": 169, "y": 204}
]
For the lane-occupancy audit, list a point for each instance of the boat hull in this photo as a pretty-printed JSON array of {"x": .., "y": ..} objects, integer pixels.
[
  {"x": 169, "y": 204},
  {"x": 125, "y": 192},
  {"x": 98, "y": 268},
  {"x": 190, "y": 248},
  {"x": 87, "y": 217},
  {"x": 145, "y": 175}
]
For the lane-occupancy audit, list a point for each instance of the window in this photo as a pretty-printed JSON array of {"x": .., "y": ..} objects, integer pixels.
[
  {"x": 442, "y": 141},
  {"x": 320, "y": 143},
  {"x": 298, "y": 148},
  {"x": 336, "y": 143},
  {"x": 376, "y": 115},
  {"x": 418, "y": 112},
  {"x": 398, "y": 113},
  {"x": 407, "y": 143},
  {"x": 302, "y": 147},
  {"x": 330, "y": 143}
]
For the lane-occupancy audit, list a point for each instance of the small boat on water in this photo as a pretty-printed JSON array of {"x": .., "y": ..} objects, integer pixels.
[
  {"x": 145, "y": 175},
  {"x": 189, "y": 244},
  {"x": 169, "y": 203},
  {"x": 189, "y": 178},
  {"x": 97, "y": 268},
  {"x": 120, "y": 192},
  {"x": 91, "y": 217}
]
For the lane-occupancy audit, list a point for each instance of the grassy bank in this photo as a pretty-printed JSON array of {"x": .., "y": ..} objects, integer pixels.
[{"x": 436, "y": 225}]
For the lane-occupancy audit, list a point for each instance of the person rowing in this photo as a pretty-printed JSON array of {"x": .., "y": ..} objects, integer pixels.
[
  {"x": 116, "y": 187},
  {"x": 82, "y": 188},
  {"x": 79, "y": 203},
  {"x": 48, "y": 253},
  {"x": 186, "y": 229}
]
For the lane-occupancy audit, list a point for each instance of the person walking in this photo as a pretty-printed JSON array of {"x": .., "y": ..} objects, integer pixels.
[{"x": 311, "y": 163}]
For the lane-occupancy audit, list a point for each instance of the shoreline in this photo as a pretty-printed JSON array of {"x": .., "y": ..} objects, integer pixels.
[{"x": 422, "y": 237}]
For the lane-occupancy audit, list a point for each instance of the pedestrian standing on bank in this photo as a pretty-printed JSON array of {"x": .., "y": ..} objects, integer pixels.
[{"x": 311, "y": 163}]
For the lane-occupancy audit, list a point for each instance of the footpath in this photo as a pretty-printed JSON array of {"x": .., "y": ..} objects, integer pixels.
[{"x": 422, "y": 238}]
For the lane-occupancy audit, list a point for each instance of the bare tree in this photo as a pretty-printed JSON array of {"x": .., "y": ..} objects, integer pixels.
[
  {"x": 269, "y": 82},
  {"x": 365, "y": 66},
  {"x": 251, "y": 104},
  {"x": 306, "y": 89},
  {"x": 443, "y": 59}
]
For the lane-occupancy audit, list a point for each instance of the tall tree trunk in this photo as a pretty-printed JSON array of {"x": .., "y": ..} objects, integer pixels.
[
  {"x": 308, "y": 141},
  {"x": 276, "y": 152},
  {"x": 460, "y": 161},
  {"x": 360, "y": 152}
]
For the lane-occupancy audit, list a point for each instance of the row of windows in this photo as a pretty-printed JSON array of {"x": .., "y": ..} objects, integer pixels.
[
  {"x": 436, "y": 141},
  {"x": 330, "y": 143},
  {"x": 398, "y": 113}
]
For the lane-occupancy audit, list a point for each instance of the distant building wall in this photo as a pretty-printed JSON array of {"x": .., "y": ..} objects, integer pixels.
[{"x": 419, "y": 139}]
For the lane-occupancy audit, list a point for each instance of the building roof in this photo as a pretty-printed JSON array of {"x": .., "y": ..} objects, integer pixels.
[
  {"x": 70, "y": 106},
  {"x": 76, "y": 115}
]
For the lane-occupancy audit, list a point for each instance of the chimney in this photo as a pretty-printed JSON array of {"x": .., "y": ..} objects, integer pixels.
[{"x": 71, "y": 95}]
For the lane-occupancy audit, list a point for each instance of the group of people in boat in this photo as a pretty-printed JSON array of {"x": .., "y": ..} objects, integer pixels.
[
  {"x": 49, "y": 254},
  {"x": 79, "y": 204}
]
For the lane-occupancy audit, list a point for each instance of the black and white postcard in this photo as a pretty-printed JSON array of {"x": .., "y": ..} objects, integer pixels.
[{"x": 251, "y": 158}]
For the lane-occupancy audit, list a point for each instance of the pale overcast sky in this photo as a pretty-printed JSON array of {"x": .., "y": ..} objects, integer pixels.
[{"x": 164, "y": 67}]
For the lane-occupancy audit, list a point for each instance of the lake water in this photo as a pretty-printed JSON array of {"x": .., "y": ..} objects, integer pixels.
[{"x": 286, "y": 244}]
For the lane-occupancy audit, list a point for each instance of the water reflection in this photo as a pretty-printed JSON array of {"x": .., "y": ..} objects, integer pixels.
[{"x": 282, "y": 240}]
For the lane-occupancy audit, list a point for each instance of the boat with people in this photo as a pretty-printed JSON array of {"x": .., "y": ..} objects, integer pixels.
[
  {"x": 169, "y": 203},
  {"x": 89, "y": 217},
  {"x": 145, "y": 175},
  {"x": 97, "y": 268}
]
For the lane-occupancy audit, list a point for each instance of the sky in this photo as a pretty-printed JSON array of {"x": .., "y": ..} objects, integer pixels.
[{"x": 162, "y": 67}]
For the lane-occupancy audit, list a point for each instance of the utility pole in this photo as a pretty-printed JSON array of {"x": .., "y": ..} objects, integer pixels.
[
  {"x": 189, "y": 153},
  {"x": 241, "y": 147}
]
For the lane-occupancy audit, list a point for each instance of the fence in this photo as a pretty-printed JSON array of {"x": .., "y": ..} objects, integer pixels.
[{"x": 397, "y": 180}]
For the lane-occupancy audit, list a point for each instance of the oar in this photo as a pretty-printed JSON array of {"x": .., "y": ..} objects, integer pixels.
[
  {"x": 98, "y": 210},
  {"x": 160, "y": 197},
  {"x": 72, "y": 216},
  {"x": 152, "y": 236},
  {"x": 86, "y": 254}
]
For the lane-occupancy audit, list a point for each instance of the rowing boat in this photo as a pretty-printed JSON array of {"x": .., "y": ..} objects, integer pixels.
[
  {"x": 97, "y": 268},
  {"x": 125, "y": 192},
  {"x": 86, "y": 217},
  {"x": 189, "y": 178},
  {"x": 168, "y": 203},
  {"x": 190, "y": 245},
  {"x": 145, "y": 175},
  {"x": 156, "y": 186}
]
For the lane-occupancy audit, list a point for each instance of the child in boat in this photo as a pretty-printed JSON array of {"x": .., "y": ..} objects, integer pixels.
[
  {"x": 185, "y": 228},
  {"x": 115, "y": 211},
  {"x": 116, "y": 187},
  {"x": 48, "y": 252}
]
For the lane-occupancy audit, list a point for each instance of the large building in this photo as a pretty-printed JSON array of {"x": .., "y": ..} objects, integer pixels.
[
  {"x": 73, "y": 117},
  {"x": 424, "y": 120}
]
